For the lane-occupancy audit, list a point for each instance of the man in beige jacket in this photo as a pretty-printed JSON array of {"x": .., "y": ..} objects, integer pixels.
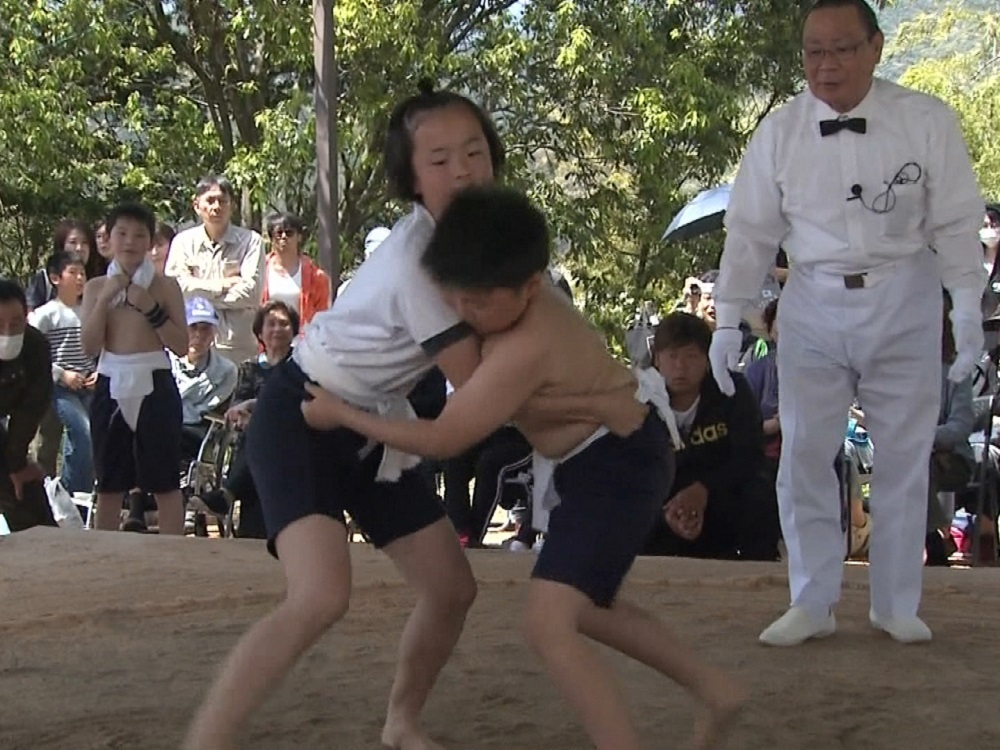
[{"x": 222, "y": 263}]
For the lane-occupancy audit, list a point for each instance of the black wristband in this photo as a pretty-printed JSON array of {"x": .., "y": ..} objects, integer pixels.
[{"x": 157, "y": 317}]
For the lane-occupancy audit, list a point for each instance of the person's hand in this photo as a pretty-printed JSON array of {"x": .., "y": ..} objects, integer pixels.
[
  {"x": 322, "y": 410},
  {"x": 73, "y": 380},
  {"x": 685, "y": 511},
  {"x": 239, "y": 414},
  {"x": 112, "y": 286},
  {"x": 772, "y": 426},
  {"x": 31, "y": 472},
  {"x": 967, "y": 327},
  {"x": 91, "y": 380},
  {"x": 724, "y": 355},
  {"x": 140, "y": 298}
]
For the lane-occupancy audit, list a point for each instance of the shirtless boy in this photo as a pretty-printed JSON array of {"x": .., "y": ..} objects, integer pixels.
[
  {"x": 489, "y": 253},
  {"x": 129, "y": 318}
]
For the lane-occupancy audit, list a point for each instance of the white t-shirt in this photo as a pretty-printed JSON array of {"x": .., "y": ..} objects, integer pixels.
[
  {"x": 391, "y": 320},
  {"x": 285, "y": 288},
  {"x": 686, "y": 418}
]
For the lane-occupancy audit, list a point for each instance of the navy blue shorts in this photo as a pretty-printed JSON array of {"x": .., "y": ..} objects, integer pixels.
[
  {"x": 611, "y": 495},
  {"x": 150, "y": 457},
  {"x": 299, "y": 471}
]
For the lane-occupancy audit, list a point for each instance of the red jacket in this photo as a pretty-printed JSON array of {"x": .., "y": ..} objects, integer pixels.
[{"x": 315, "y": 295}]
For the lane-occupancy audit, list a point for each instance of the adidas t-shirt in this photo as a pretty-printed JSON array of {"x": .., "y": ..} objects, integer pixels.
[{"x": 391, "y": 320}]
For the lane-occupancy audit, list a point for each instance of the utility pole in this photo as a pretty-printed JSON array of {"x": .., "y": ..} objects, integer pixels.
[{"x": 325, "y": 100}]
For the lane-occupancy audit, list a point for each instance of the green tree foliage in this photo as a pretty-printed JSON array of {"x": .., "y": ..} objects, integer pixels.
[
  {"x": 614, "y": 112},
  {"x": 960, "y": 63}
]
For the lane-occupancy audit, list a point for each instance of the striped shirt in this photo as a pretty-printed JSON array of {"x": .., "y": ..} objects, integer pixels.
[{"x": 61, "y": 325}]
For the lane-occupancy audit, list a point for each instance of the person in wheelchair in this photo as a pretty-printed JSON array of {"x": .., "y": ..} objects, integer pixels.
[
  {"x": 275, "y": 325},
  {"x": 205, "y": 380}
]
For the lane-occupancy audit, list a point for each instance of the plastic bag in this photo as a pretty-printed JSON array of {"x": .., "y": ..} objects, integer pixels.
[{"x": 64, "y": 510}]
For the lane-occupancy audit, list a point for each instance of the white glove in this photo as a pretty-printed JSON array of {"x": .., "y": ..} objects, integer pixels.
[
  {"x": 967, "y": 327},
  {"x": 724, "y": 353}
]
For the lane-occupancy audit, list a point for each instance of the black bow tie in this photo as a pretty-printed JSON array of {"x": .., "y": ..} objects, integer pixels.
[{"x": 854, "y": 124}]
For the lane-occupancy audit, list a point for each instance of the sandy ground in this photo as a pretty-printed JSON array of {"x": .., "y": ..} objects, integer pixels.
[{"x": 108, "y": 640}]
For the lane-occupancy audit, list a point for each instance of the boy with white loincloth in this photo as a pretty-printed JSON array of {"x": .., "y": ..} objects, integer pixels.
[
  {"x": 489, "y": 253},
  {"x": 129, "y": 318}
]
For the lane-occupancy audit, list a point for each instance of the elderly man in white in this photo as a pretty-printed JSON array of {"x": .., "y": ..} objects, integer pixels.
[{"x": 868, "y": 187}]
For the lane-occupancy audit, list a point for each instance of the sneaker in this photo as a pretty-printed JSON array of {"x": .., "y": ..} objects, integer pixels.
[
  {"x": 797, "y": 626},
  {"x": 537, "y": 546},
  {"x": 902, "y": 629},
  {"x": 516, "y": 545}
]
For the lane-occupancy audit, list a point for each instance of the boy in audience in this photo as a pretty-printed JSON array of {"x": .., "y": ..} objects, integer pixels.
[
  {"x": 130, "y": 317},
  {"x": 72, "y": 369},
  {"x": 490, "y": 252}
]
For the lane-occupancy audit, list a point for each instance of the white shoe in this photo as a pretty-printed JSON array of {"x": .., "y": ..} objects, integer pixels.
[
  {"x": 902, "y": 629},
  {"x": 797, "y": 626},
  {"x": 518, "y": 546}
]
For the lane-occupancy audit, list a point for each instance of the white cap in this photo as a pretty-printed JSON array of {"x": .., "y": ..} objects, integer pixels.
[{"x": 375, "y": 238}]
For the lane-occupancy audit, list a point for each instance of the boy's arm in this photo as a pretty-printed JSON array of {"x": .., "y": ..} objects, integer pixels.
[
  {"x": 97, "y": 295},
  {"x": 459, "y": 360},
  {"x": 174, "y": 333},
  {"x": 493, "y": 395}
]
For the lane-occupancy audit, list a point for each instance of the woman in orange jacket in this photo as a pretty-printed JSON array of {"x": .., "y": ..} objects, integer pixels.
[{"x": 290, "y": 276}]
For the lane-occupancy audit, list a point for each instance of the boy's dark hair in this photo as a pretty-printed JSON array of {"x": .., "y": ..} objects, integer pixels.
[
  {"x": 770, "y": 314},
  {"x": 135, "y": 211},
  {"x": 164, "y": 232},
  {"x": 865, "y": 11},
  {"x": 267, "y": 309},
  {"x": 60, "y": 260},
  {"x": 680, "y": 329},
  {"x": 11, "y": 290},
  {"x": 398, "y": 152},
  {"x": 488, "y": 238},
  {"x": 210, "y": 181},
  {"x": 285, "y": 220}
]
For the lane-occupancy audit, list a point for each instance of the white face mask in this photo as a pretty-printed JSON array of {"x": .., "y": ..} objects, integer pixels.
[
  {"x": 989, "y": 235},
  {"x": 10, "y": 347}
]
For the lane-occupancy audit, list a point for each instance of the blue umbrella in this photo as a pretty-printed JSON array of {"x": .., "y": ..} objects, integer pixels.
[{"x": 702, "y": 215}]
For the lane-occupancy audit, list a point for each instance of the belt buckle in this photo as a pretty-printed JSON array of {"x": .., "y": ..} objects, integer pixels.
[{"x": 855, "y": 281}]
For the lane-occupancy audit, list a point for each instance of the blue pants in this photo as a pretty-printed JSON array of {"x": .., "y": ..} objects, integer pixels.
[{"x": 73, "y": 409}]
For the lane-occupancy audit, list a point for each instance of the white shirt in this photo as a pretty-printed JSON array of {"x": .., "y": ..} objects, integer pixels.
[
  {"x": 793, "y": 187},
  {"x": 391, "y": 320},
  {"x": 686, "y": 418},
  {"x": 285, "y": 288}
]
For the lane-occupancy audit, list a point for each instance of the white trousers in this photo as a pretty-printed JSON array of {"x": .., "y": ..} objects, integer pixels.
[{"x": 883, "y": 344}]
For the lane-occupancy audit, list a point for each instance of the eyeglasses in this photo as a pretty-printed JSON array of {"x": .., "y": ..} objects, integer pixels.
[{"x": 842, "y": 53}]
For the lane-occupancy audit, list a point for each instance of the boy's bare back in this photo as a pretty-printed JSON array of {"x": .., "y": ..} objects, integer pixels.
[
  {"x": 575, "y": 362},
  {"x": 127, "y": 330}
]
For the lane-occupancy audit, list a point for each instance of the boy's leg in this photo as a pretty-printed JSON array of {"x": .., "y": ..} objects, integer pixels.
[
  {"x": 109, "y": 511},
  {"x": 78, "y": 464},
  {"x": 643, "y": 637},
  {"x": 432, "y": 562},
  {"x": 314, "y": 554},
  {"x": 170, "y": 512},
  {"x": 553, "y": 620}
]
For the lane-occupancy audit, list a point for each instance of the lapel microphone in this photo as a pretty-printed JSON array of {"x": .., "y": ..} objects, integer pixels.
[{"x": 855, "y": 192}]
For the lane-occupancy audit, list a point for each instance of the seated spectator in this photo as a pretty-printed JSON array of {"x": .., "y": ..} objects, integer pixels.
[
  {"x": 289, "y": 275},
  {"x": 718, "y": 506},
  {"x": 73, "y": 371},
  {"x": 205, "y": 379},
  {"x": 160, "y": 250},
  {"x": 753, "y": 347},
  {"x": 276, "y": 325},
  {"x": 25, "y": 395},
  {"x": 952, "y": 461}
]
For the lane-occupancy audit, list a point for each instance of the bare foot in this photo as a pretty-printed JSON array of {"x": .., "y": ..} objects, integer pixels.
[
  {"x": 400, "y": 735},
  {"x": 723, "y": 701}
]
